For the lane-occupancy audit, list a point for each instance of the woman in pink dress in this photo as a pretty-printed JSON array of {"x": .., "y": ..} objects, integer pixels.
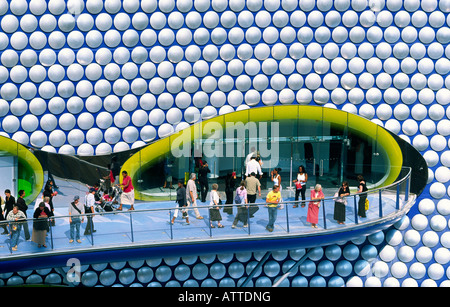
[
  {"x": 313, "y": 206},
  {"x": 127, "y": 196}
]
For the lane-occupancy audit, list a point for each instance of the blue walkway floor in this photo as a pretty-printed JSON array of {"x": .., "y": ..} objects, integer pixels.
[{"x": 153, "y": 227}]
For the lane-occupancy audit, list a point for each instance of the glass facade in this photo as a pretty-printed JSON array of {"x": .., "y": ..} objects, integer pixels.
[{"x": 330, "y": 152}]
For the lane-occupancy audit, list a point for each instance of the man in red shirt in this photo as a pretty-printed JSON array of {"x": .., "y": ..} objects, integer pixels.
[{"x": 127, "y": 197}]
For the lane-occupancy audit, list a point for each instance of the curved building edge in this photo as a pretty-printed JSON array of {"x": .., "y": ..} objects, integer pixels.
[{"x": 139, "y": 251}]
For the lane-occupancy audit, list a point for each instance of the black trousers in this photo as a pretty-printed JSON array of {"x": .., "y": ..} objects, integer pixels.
[
  {"x": 89, "y": 226},
  {"x": 203, "y": 190},
  {"x": 26, "y": 231},
  {"x": 90, "y": 222},
  {"x": 251, "y": 198},
  {"x": 362, "y": 205},
  {"x": 242, "y": 215},
  {"x": 339, "y": 211},
  {"x": 301, "y": 191},
  {"x": 252, "y": 208},
  {"x": 228, "y": 209}
]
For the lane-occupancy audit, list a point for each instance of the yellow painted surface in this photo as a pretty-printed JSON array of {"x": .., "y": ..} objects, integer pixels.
[{"x": 26, "y": 159}]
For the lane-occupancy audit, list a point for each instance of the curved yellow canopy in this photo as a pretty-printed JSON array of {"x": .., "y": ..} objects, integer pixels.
[{"x": 146, "y": 157}]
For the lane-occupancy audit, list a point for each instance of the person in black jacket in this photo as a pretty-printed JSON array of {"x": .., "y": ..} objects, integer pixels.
[
  {"x": 230, "y": 186},
  {"x": 40, "y": 224},
  {"x": 10, "y": 201},
  {"x": 23, "y": 207},
  {"x": 340, "y": 202},
  {"x": 362, "y": 188},
  {"x": 203, "y": 180},
  {"x": 48, "y": 192}
]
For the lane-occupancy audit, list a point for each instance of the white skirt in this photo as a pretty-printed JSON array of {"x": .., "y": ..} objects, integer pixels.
[{"x": 127, "y": 198}]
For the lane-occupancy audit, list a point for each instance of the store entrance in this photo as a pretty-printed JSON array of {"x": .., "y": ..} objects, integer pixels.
[{"x": 322, "y": 159}]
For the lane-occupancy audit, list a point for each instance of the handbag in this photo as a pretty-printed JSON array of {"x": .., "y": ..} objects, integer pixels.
[
  {"x": 298, "y": 185},
  {"x": 366, "y": 204},
  {"x": 316, "y": 203},
  {"x": 237, "y": 199},
  {"x": 340, "y": 199}
]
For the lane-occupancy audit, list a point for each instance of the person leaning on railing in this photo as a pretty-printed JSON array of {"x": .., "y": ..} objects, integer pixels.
[
  {"x": 40, "y": 224},
  {"x": 273, "y": 199},
  {"x": 314, "y": 205},
  {"x": 340, "y": 202},
  {"x": 13, "y": 217}
]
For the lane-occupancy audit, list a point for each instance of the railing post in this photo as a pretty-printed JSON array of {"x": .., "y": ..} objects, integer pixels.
[
  {"x": 131, "y": 225},
  {"x": 209, "y": 220},
  {"x": 287, "y": 217},
  {"x": 10, "y": 237},
  {"x": 170, "y": 223},
  {"x": 324, "y": 214},
  {"x": 91, "y": 226},
  {"x": 356, "y": 209},
  {"x": 380, "y": 203},
  {"x": 407, "y": 188},
  {"x": 51, "y": 232},
  {"x": 248, "y": 218}
]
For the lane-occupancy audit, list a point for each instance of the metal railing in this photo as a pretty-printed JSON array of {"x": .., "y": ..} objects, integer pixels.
[{"x": 148, "y": 226}]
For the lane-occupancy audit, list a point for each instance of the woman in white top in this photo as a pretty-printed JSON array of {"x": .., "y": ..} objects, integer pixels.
[
  {"x": 276, "y": 178},
  {"x": 300, "y": 184},
  {"x": 214, "y": 212}
]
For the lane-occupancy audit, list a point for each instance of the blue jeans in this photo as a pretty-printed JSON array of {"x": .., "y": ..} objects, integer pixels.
[
  {"x": 75, "y": 228},
  {"x": 273, "y": 211},
  {"x": 15, "y": 234}
]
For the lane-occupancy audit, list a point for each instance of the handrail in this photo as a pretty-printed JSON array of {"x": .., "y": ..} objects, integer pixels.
[
  {"x": 394, "y": 188},
  {"x": 221, "y": 206},
  {"x": 234, "y": 205}
]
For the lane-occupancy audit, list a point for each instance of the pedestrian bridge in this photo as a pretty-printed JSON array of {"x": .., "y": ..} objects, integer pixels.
[
  {"x": 147, "y": 232},
  {"x": 332, "y": 145}
]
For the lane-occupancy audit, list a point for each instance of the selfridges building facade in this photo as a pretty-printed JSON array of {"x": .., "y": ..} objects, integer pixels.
[{"x": 93, "y": 78}]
